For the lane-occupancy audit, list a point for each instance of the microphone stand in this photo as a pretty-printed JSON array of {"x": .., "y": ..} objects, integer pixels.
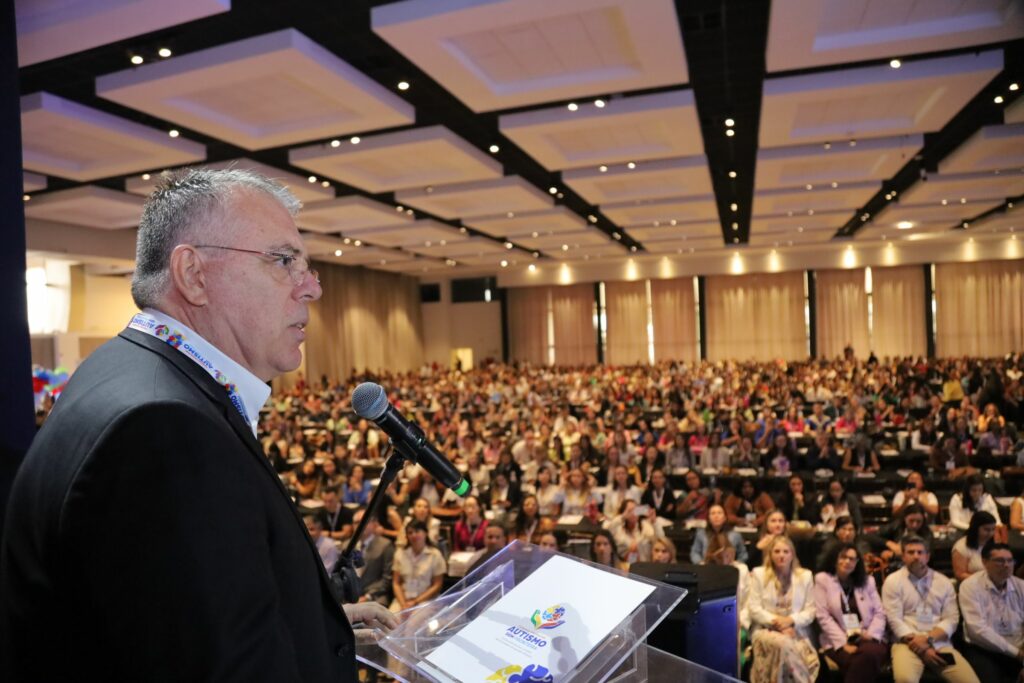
[{"x": 345, "y": 577}]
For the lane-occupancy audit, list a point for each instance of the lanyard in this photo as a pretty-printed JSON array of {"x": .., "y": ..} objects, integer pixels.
[{"x": 177, "y": 340}]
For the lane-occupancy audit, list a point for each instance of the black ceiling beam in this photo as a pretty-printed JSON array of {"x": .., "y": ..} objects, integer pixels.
[{"x": 725, "y": 42}]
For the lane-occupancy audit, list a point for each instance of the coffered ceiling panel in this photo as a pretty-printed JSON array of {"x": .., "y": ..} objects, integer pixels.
[
  {"x": 350, "y": 213},
  {"x": 267, "y": 91},
  {"x": 965, "y": 188},
  {"x": 992, "y": 148},
  {"x": 424, "y": 232},
  {"x": 419, "y": 157},
  {"x": 686, "y": 177},
  {"x": 611, "y": 131},
  {"x": 307, "y": 192},
  {"x": 813, "y": 198},
  {"x": 499, "y": 54},
  {"x": 482, "y": 198},
  {"x": 89, "y": 205},
  {"x": 30, "y": 182},
  {"x": 824, "y": 164},
  {"x": 680, "y": 209},
  {"x": 558, "y": 219}
]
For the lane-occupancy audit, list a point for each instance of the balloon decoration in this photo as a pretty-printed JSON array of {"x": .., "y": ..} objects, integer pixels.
[{"x": 48, "y": 382}]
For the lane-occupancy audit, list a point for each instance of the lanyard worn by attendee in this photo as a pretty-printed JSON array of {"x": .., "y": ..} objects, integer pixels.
[{"x": 177, "y": 340}]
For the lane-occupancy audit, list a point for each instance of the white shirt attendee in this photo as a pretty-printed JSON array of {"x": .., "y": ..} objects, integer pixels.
[{"x": 992, "y": 602}]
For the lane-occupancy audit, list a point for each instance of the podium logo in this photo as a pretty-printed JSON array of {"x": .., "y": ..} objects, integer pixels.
[
  {"x": 533, "y": 673},
  {"x": 549, "y": 618}
]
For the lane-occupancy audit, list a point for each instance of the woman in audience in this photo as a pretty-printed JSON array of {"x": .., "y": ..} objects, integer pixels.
[
  {"x": 307, "y": 479},
  {"x": 912, "y": 522},
  {"x": 633, "y": 534},
  {"x": 678, "y": 453},
  {"x": 659, "y": 496},
  {"x": 718, "y": 534},
  {"x": 795, "y": 504},
  {"x": 698, "y": 441},
  {"x": 471, "y": 526},
  {"x": 620, "y": 488},
  {"x": 967, "y": 551},
  {"x": 1017, "y": 513},
  {"x": 948, "y": 457},
  {"x": 502, "y": 496},
  {"x": 781, "y": 455},
  {"x": 549, "y": 495},
  {"x": 924, "y": 436},
  {"x": 989, "y": 417},
  {"x": 419, "y": 569},
  {"x": 509, "y": 467},
  {"x": 652, "y": 459},
  {"x": 356, "y": 490},
  {"x": 971, "y": 499},
  {"x": 836, "y": 503},
  {"x": 731, "y": 435},
  {"x": 822, "y": 454},
  {"x": 421, "y": 512},
  {"x": 548, "y": 541},
  {"x": 330, "y": 477},
  {"x": 747, "y": 505},
  {"x": 845, "y": 532},
  {"x": 663, "y": 551},
  {"x": 602, "y": 550},
  {"x": 775, "y": 525},
  {"x": 478, "y": 476},
  {"x": 794, "y": 423},
  {"x": 528, "y": 524},
  {"x": 860, "y": 456},
  {"x": 782, "y": 610},
  {"x": 576, "y": 492},
  {"x": 849, "y": 612},
  {"x": 716, "y": 456},
  {"x": 694, "y": 502},
  {"x": 914, "y": 492}
]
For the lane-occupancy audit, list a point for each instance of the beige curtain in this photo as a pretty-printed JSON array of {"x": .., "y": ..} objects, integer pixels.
[
  {"x": 756, "y": 317},
  {"x": 366, "y": 319},
  {"x": 898, "y": 300},
  {"x": 575, "y": 333},
  {"x": 842, "y": 312},
  {"x": 979, "y": 308},
  {"x": 528, "y": 324},
  {"x": 626, "y": 310},
  {"x": 675, "y": 320}
]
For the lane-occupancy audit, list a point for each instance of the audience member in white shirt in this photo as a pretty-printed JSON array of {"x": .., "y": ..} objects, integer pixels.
[{"x": 992, "y": 602}]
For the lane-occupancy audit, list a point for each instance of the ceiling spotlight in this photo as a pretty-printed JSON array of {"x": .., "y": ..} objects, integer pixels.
[
  {"x": 145, "y": 176},
  {"x": 510, "y": 214},
  {"x": 809, "y": 186},
  {"x": 729, "y": 123},
  {"x": 355, "y": 140},
  {"x": 734, "y": 206},
  {"x": 443, "y": 243},
  {"x": 735, "y": 240},
  {"x": 945, "y": 202},
  {"x": 565, "y": 247},
  {"x": 592, "y": 218},
  {"x": 633, "y": 248},
  {"x": 1014, "y": 87},
  {"x": 799, "y": 228},
  {"x": 325, "y": 184},
  {"x": 347, "y": 240},
  {"x": 358, "y": 243},
  {"x": 599, "y": 104},
  {"x": 26, "y": 197},
  {"x": 429, "y": 189},
  {"x": 835, "y": 185},
  {"x": 904, "y": 225},
  {"x": 553, "y": 190},
  {"x": 810, "y": 212},
  {"x": 335, "y": 143},
  {"x": 617, "y": 235},
  {"x": 732, "y": 174},
  {"x": 399, "y": 208},
  {"x": 338, "y": 252},
  {"x": 729, "y": 132},
  {"x": 408, "y": 212},
  {"x": 536, "y": 254},
  {"x": 504, "y": 263},
  {"x": 966, "y": 224},
  {"x": 403, "y": 85},
  {"x": 137, "y": 59},
  {"x": 559, "y": 196},
  {"x": 998, "y": 99},
  {"x": 631, "y": 165},
  {"x": 735, "y": 226},
  {"x": 509, "y": 245},
  {"x": 895, "y": 64},
  {"x": 573, "y": 106},
  {"x": 311, "y": 178},
  {"x": 532, "y": 268},
  {"x": 963, "y": 200},
  {"x": 173, "y": 133},
  {"x": 602, "y": 168},
  {"x": 534, "y": 234},
  {"x": 853, "y": 143},
  {"x": 463, "y": 230},
  {"x": 828, "y": 145},
  {"x": 164, "y": 52},
  {"x": 494, "y": 149},
  {"x": 449, "y": 262},
  {"x": 672, "y": 222}
]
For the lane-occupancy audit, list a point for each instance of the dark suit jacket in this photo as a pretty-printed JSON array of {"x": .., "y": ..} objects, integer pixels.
[
  {"x": 148, "y": 538},
  {"x": 376, "y": 578}
]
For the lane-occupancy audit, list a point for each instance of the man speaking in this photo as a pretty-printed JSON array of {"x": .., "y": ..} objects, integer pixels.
[{"x": 147, "y": 537}]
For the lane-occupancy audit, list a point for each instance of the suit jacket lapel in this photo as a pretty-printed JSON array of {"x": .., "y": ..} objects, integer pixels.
[{"x": 219, "y": 396}]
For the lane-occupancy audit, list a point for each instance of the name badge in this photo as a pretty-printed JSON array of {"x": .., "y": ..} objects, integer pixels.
[
  {"x": 851, "y": 622},
  {"x": 950, "y": 464},
  {"x": 925, "y": 618}
]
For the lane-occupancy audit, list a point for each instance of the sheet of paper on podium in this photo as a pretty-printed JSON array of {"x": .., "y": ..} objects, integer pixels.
[{"x": 542, "y": 628}]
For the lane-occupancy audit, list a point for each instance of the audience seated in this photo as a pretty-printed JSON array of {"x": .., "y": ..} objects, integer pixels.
[
  {"x": 971, "y": 499},
  {"x": 967, "y": 551},
  {"x": 992, "y": 604},
  {"x": 836, "y": 503},
  {"x": 378, "y": 559},
  {"x": 914, "y": 492},
  {"x": 713, "y": 539},
  {"x": 419, "y": 569}
]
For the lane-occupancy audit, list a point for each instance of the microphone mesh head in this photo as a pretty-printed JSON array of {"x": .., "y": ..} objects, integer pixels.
[{"x": 369, "y": 400}]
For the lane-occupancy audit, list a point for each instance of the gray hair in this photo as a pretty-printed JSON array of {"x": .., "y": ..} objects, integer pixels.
[{"x": 179, "y": 210}]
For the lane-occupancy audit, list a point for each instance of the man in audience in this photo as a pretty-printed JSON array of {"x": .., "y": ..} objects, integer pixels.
[
  {"x": 992, "y": 603},
  {"x": 495, "y": 538},
  {"x": 337, "y": 517},
  {"x": 378, "y": 556},
  {"x": 920, "y": 607},
  {"x": 325, "y": 546}
]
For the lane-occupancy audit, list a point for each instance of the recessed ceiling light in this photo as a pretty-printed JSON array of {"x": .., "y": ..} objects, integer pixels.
[
  {"x": 998, "y": 99},
  {"x": 799, "y": 228},
  {"x": 617, "y": 235},
  {"x": 509, "y": 245},
  {"x": 137, "y": 59},
  {"x": 895, "y": 64},
  {"x": 732, "y": 174},
  {"x": 565, "y": 247},
  {"x": 403, "y": 85},
  {"x": 534, "y": 234},
  {"x": 553, "y": 190},
  {"x": 735, "y": 240},
  {"x": 633, "y": 248},
  {"x": 735, "y": 226},
  {"x": 173, "y": 133},
  {"x": 355, "y": 140},
  {"x": 599, "y": 104},
  {"x": 504, "y": 263},
  {"x": 532, "y": 268},
  {"x": 730, "y": 132},
  {"x": 809, "y": 186},
  {"x": 26, "y": 197},
  {"x": 853, "y": 143},
  {"x": 904, "y": 225},
  {"x": 164, "y": 52},
  {"x": 945, "y": 202},
  {"x": 347, "y": 240},
  {"x": 335, "y": 143},
  {"x": 338, "y": 252},
  {"x": 729, "y": 123},
  {"x": 145, "y": 176},
  {"x": 510, "y": 214},
  {"x": 494, "y": 149},
  {"x": 734, "y": 207},
  {"x": 631, "y": 165},
  {"x": 408, "y": 212},
  {"x": 325, "y": 184},
  {"x": 1014, "y": 87},
  {"x": 835, "y": 185},
  {"x": 828, "y": 145},
  {"x": 602, "y": 168},
  {"x": 572, "y": 106}
]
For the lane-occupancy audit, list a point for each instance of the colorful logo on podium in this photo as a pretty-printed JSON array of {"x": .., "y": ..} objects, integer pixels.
[
  {"x": 549, "y": 618},
  {"x": 532, "y": 673}
]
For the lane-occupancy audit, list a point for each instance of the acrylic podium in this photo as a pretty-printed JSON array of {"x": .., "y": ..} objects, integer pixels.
[{"x": 410, "y": 653}]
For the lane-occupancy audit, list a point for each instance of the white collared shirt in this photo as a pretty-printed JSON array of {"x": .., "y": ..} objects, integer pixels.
[
  {"x": 252, "y": 391},
  {"x": 993, "y": 618},
  {"x": 914, "y": 606}
]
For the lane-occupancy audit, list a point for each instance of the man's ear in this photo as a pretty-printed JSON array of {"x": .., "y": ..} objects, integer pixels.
[{"x": 188, "y": 277}]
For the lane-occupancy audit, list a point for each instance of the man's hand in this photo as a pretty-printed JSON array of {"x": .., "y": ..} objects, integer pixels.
[
  {"x": 850, "y": 648},
  {"x": 371, "y": 615},
  {"x": 932, "y": 658}
]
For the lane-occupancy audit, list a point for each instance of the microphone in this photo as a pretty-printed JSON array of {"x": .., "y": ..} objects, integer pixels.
[{"x": 369, "y": 401}]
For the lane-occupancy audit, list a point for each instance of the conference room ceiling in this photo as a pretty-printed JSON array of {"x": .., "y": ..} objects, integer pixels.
[{"x": 430, "y": 136}]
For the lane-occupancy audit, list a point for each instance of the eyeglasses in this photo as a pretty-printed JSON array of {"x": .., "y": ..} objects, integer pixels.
[
  {"x": 296, "y": 265},
  {"x": 1000, "y": 560}
]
